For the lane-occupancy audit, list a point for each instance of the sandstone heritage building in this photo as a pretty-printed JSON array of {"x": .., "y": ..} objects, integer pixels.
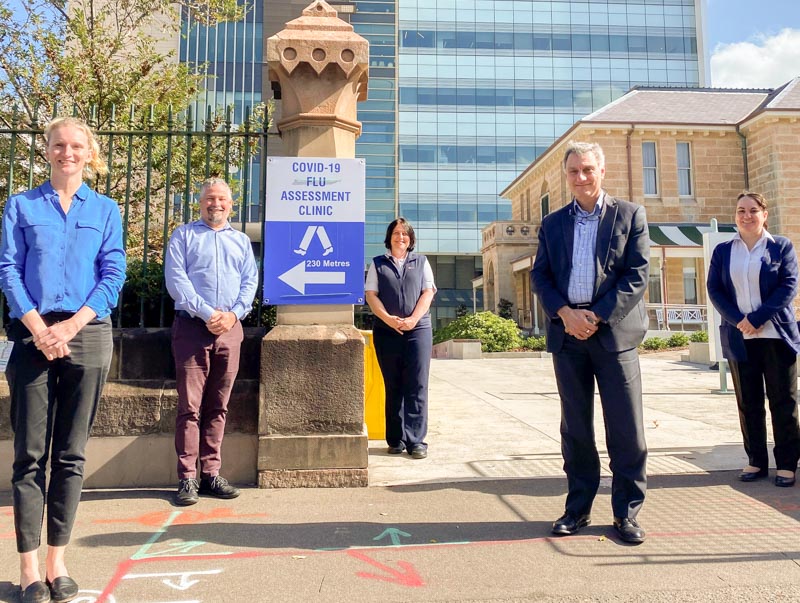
[{"x": 683, "y": 153}]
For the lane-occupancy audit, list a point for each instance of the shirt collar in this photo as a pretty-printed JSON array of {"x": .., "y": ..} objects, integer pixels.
[
  {"x": 765, "y": 236},
  {"x": 200, "y": 223},
  {"x": 598, "y": 207},
  {"x": 81, "y": 194}
]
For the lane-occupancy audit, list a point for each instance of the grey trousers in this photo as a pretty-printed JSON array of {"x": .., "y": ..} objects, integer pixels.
[{"x": 53, "y": 405}]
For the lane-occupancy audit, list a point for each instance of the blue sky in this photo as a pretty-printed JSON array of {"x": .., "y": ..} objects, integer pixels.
[
  {"x": 753, "y": 43},
  {"x": 740, "y": 20}
]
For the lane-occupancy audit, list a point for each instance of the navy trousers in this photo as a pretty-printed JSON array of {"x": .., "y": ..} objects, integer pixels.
[
  {"x": 619, "y": 381},
  {"x": 772, "y": 363},
  {"x": 53, "y": 405},
  {"x": 405, "y": 361}
]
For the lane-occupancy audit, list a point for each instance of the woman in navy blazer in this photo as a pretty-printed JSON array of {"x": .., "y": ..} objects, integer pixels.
[{"x": 752, "y": 282}]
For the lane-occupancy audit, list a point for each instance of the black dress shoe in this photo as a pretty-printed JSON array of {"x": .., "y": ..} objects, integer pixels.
[
  {"x": 629, "y": 530},
  {"x": 218, "y": 486},
  {"x": 63, "y": 589},
  {"x": 751, "y": 476},
  {"x": 567, "y": 524},
  {"x": 187, "y": 492},
  {"x": 37, "y": 592},
  {"x": 784, "y": 482},
  {"x": 396, "y": 449},
  {"x": 418, "y": 452}
]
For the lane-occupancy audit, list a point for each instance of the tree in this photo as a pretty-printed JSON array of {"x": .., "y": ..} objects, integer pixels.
[
  {"x": 100, "y": 60},
  {"x": 504, "y": 308}
]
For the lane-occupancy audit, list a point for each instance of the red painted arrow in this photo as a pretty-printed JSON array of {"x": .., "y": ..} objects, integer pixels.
[{"x": 405, "y": 576}]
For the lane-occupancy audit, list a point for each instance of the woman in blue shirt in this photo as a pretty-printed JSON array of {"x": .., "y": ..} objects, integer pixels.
[
  {"x": 62, "y": 265},
  {"x": 399, "y": 291}
]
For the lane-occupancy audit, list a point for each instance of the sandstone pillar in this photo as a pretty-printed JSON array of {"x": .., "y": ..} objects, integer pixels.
[{"x": 311, "y": 412}]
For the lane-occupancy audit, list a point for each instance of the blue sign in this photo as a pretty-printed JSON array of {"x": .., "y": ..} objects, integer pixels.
[{"x": 314, "y": 231}]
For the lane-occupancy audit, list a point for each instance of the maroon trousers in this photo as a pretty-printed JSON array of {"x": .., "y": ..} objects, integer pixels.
[{"x": 205, "y": 369}]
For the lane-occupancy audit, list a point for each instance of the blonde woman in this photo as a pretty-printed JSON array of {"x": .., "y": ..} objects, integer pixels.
[{"x": 62, "y": 265}]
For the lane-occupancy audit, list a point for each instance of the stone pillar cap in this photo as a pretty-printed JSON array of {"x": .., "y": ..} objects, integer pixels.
[{"x": 319, "y": 38}]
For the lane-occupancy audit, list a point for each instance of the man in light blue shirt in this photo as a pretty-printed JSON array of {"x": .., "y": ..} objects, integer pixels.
[{"x": 211, "y": 273}]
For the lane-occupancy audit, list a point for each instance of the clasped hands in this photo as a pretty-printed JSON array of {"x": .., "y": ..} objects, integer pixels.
[
  {"x": 221, "y": 322},
  {"x": 402, "y": 324},
  {"x": 52, "y": 341},
  {"x": 579, "y": 323},
  {"x": 748, "y": 329}
]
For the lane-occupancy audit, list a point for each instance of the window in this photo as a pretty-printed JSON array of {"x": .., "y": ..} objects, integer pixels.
[
  {"x": 545, "y": 203},
  {"x": 649, "y": 168},
  {"x": 684, "y": 152},
  {"x": 689, "y": 281},
  {"x": 654, "y": 282}
]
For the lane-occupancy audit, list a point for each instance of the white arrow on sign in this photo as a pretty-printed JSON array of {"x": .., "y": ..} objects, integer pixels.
[{"x": 297, "y": 278}]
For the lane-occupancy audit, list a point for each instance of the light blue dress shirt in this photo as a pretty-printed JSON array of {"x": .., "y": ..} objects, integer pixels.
[
  {"x": 583, "y": 273},
  {"x": 207, "y": 270},
  {"x": 56, "y": 262}
]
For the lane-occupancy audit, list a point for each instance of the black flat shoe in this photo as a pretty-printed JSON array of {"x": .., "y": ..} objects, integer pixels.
[
  {"x": 37, "y": 592},
  {"x": 418, "y": 452},
  {"x": 629, "y": 530},
  {"x": 751, "y": 476},
  {"x": 567, "y": 524},
  {"x": 784, "y": 482},
  {"x": 396, "y": 449},
  {"x": 63, "y": 589}
]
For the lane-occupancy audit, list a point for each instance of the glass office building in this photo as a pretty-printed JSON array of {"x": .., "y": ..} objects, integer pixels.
[
  {"x": 485, "y": 86},
  {"x": 233, "y": 55},
  {"x": 464, "y": 94}
]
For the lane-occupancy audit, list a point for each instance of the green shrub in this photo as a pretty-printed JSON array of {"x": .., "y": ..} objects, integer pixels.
[
  {"x": 654, "y": 343},
  {"x": 496, "y": 334},
  {"x": 678, "y": 340},
  {"x": 699, "y": 337},
  {"x": 535, "y": 344}
]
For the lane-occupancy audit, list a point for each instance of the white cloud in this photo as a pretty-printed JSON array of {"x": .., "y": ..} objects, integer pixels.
[{"x": 766, "y": 63}]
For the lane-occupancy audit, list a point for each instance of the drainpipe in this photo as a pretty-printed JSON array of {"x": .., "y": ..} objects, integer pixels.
[
  {"x": 744, "y": 159},
  {"x": 630, "y": 161}
]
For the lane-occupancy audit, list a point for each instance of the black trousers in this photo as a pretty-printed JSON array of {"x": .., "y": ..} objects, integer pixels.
[
  {"x": 619, "y": 381},
  {"x": 771, "y": 363},
  {"x": 405, "y": 361},
  {"x": 53, "y": 405}
]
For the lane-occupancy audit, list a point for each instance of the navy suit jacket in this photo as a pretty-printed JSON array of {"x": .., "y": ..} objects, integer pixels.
[
  {"x": 621, "y": 264},
  {"x": 777, "y": 284}
]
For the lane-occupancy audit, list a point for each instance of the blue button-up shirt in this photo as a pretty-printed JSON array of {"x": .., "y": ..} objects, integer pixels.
[
  {"x": 583, "y": 273},
  {"x": 209, "y": 270},
  {"x": 56, "y": 262}
]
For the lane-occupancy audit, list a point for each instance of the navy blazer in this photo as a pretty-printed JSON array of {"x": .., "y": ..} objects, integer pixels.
[
  {"x": 777, "y": 284},
  {"x": 621, "y": 270}
]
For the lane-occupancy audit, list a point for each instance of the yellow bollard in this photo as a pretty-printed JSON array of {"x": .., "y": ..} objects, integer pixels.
[{"x": 374, "y": 393}]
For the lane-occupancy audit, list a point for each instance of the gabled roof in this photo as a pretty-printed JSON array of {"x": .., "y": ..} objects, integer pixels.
[
  {"x": 785, "y": 97},
  {"x": 687, "y": 106}
]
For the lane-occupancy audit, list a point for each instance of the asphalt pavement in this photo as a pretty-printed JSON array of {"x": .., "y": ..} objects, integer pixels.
[{"x": 469, "y": 523}]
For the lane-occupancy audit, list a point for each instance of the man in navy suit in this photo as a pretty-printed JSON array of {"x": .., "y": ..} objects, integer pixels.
[{"x": 590, "y": 274}]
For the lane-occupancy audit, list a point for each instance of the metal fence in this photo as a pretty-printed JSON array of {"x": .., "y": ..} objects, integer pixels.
[{"x": 157, "y": 161}]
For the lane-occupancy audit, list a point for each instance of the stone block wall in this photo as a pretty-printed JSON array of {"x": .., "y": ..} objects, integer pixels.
[{"x": 136, "y": 414}]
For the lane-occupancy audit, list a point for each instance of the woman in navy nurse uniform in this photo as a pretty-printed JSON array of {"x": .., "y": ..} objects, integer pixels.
[
  {"x": 752, "y": 282},
  {"x": 399, "y": 290},
  {"x": 62, "y": 265}
]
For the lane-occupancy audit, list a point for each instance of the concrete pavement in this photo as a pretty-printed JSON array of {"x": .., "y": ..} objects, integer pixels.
[{"x": 469, "y": 523}]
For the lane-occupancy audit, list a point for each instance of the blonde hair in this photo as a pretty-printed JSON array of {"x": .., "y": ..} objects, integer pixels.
[{"x": 96, "y": 166}]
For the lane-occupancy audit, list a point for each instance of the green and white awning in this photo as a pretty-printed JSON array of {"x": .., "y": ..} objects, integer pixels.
[{"x": 682, "y": 235}]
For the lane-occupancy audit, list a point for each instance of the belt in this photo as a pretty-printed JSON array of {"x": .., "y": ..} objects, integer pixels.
[{"x": 585, "y": 306}]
